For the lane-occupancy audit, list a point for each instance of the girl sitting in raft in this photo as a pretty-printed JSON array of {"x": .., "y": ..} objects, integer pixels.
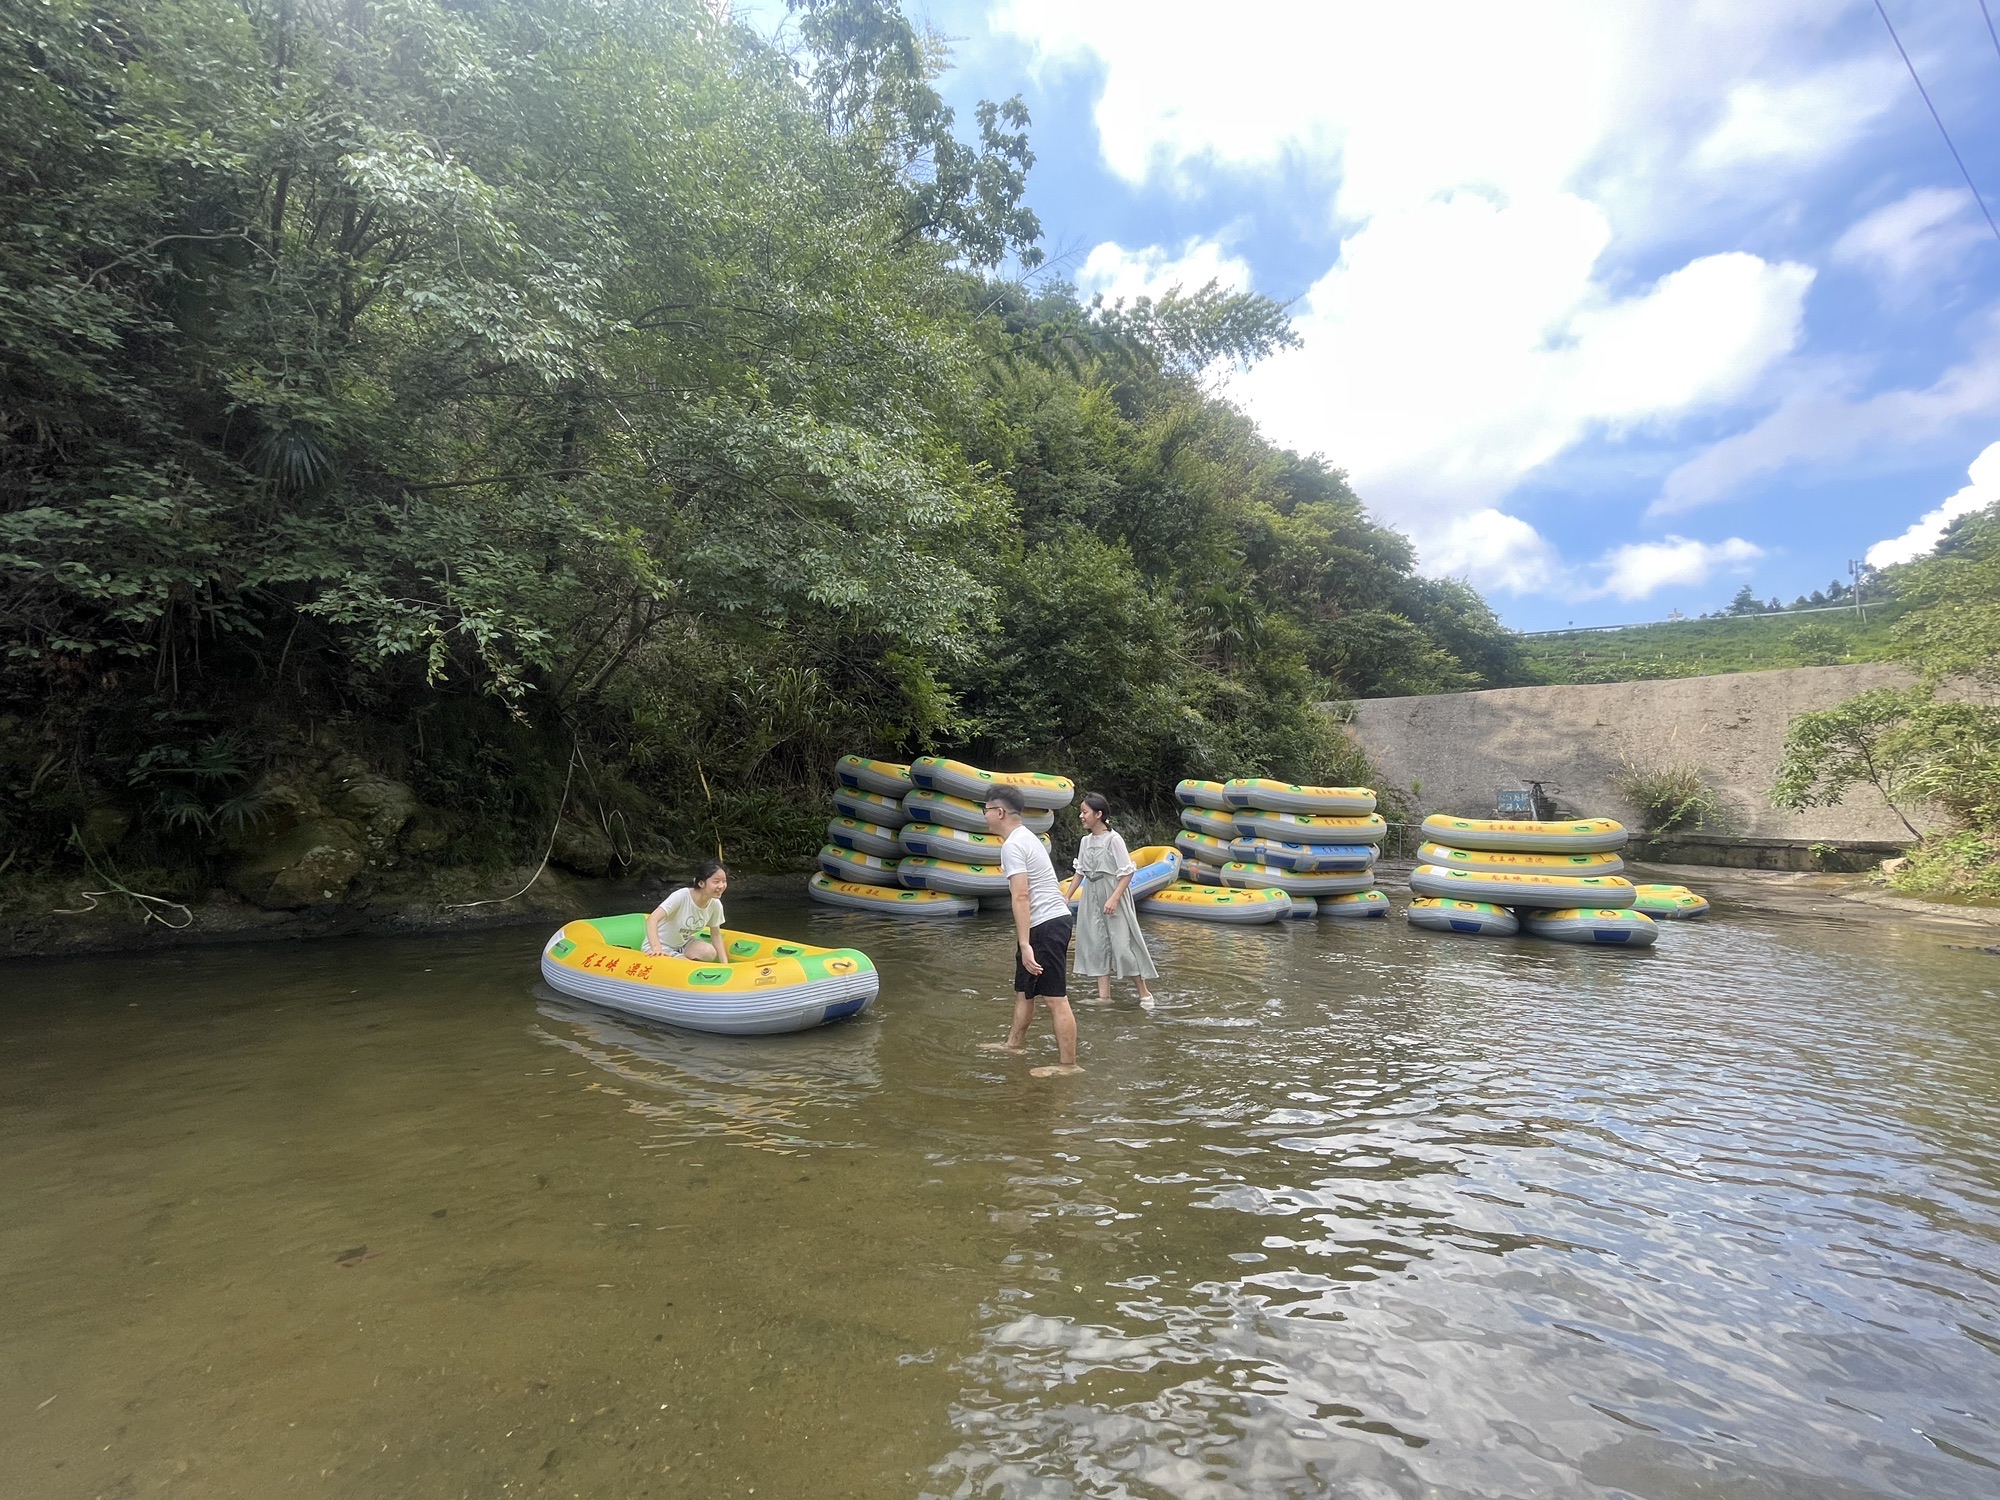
[
  {"x": 673, "y": 927},
  {"x": 1108, "y": 940}
]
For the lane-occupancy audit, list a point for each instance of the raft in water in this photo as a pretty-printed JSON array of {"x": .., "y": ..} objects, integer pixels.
[
  {"x": 1581, "y": 836},
  {"x": 1213, "y": 903},
  {"x": 922, "y": 806},
  {"x": 888, "y": 900},
  {"x": 1479, "y": 918},
  {"x": 885, "y": 777},
  {"x": 1507, "y": 862},
  {"x": 1307, "y": 859},
  {"x": 934, "y": 773},
  {"x": 951, "y": 877},
  {"x": 1552, "y": 891},
  {"x": 935, "y": 841},
  {"x": 1294, "y": 883},
  {"x": 1599, "y": 926},
  {"x": 1308, "y": 828},
  {"x": 769, "y": 985},
  {"x": 1361, "y": 906},
  {"x": 1286, "y": 796},
  {"x": 1158, "y": 868},
  {"x": 1669, "y": 903}
]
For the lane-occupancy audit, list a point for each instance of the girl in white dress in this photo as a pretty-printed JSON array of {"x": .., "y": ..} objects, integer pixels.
[{"x": 1108, "y": 940}]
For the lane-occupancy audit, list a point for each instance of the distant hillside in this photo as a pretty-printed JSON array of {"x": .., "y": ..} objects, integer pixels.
[{"x": 1696, "y": 648}]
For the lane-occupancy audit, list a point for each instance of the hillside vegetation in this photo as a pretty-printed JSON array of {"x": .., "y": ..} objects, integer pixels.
[
  {"x": 1693, "y": 648},
  {"x": 421, "y": 417}
]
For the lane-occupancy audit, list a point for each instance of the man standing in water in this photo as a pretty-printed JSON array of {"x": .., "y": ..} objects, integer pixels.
[{"x": 1041, "y": 933}]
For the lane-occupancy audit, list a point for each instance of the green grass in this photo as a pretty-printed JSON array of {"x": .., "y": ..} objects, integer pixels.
[{"x": 1697, "y": 648}]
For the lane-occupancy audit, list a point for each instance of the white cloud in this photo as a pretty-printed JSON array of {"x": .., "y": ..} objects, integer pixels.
[
  {"x": 1819, "y": 426},
  {"x": 1912, "y": 241},
  {"x": 1493, "y": 550},
  {"x": 1118, "y": 273},
  {"x": 1639, "y": 570},
  {"x": 1926, "y": 533},
  {"x": 1476, "y": 162}
]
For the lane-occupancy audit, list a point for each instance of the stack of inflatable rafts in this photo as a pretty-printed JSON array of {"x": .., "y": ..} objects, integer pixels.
[
  {"x": 1254, "y": 850},
  {"x": 1557, "y": 880},
  {"x": 911, "y": 841}
]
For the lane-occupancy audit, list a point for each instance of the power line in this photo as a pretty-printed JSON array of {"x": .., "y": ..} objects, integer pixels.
[
  {"x": 1989, "y": 25},
  {"x": 1939, "y": 118}
]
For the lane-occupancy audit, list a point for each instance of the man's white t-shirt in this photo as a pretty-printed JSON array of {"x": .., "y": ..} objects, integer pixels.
[{"x": 1023, "y": 854}]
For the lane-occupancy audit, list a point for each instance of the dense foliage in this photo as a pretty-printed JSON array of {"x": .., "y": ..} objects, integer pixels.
[
  {"x": 1937, "y": 743},
  {"x": 497, "y": 389}
]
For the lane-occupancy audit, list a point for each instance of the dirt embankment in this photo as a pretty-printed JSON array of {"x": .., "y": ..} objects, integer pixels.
[{"x": 1457, "y": 750}]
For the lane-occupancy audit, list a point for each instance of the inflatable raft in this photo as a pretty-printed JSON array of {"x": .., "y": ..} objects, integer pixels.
[
  {"x": 951, "y": 877},
  {"x": 866, "y": 838},
  {"x": 884, "y": 777},
  {"x": 1361, "y": 905},
  {"x": 1293, "y": 883},
  {"x": 1204, "y": 847},
  {"x": 851, "y": 864},
  {"x": 934, "y": 773},
  {"x": 1201, "y": 872},
  {"x": 1503, "y": 861},
  {"x": 935, "y": 841},
  {"x": 1670, "y": 903},
  {"x": 1305, "y": 858},
  {"x": 1481, "y": 918},
  {"x": 869, "y": 807},
  {"x": 1611, "y": 927},
  {"x": 888, "y": 900},
  {"x": 1583, "y": 836},
  {"x": 1208, "y": 794},
  {"x": 922, "y": 806},
  {"x": 1551, "y": 891},
  {"x": 769, "y": 985},
  {"x": 1308, "y": 828},
  {"x": 1285, "y": 796},
  {"x": 1216, "y": 825},
  {"x": 1303, "y": 906},
  {"x": 1159, "y": 867},
  {"x": 1212, "y": 903}
]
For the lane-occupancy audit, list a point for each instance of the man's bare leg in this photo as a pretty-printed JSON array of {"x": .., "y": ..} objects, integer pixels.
[
  {"x": 1017, "y": 1033},
  {"x": 1062, "y": 1020}
]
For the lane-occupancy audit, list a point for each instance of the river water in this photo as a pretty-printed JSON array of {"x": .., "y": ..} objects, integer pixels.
[{"x": 1357, "y": 1211}]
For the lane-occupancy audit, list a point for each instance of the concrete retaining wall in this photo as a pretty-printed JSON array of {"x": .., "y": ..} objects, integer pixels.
[{"x": 1457, "y": 750}]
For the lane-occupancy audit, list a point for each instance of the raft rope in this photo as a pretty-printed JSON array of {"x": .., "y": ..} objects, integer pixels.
[{"x": 554, "y": 829}]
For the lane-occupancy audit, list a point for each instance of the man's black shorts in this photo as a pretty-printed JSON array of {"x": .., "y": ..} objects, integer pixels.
[{"x": 1050, "y": 940}]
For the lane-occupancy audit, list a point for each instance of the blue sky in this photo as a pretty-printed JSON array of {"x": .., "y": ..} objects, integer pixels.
[{"x": 1612, "y": 307}]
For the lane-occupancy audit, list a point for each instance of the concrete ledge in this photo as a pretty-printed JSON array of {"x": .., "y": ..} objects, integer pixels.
[{"x": 1800, "y": 856}]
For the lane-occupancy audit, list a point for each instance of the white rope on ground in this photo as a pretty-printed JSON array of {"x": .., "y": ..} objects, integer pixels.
[{"x": 568, "y": 776}]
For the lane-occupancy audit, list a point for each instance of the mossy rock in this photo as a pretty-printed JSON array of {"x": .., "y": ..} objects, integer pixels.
[{"x": 308, "y": 864}]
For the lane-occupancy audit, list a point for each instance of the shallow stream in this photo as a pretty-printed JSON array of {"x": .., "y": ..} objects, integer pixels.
[{"x": 1357, "y": 1211}]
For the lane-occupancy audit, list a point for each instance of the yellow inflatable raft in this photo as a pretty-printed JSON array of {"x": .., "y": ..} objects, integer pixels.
[
  {"x": 852, "y": 864},
  {"x": 934, "y": 773},
  {"x": 1669, "y": 903},
  {"x": 1362, "y": 905},
  {"x": 1213, "y": 903},
  {"x": 1609, "y": 927},
  {"x": 1520, "y": 890},
  {"x": 865, "y": 838},
  {"x": 769, "y": 985},
  {"x": 888, "y": 900},
  {"x": 922, "y": 806},
  {"x": 1506, "y": 862},
  {"x": 1295, "y": 883},
  {"x": 1286, "y": 796},
  {"x": 1216, "y": 825},
  {"x": 1158, "y": 868},
  {"x": 1583, "y": 836},
  {"x": 1309, "y": 828},
  {"x": 885, "y": 777},
  {"x": 869, "y": 807},
  {"x": 1479, "y": 918},
  {"x": 1208, "y": 794},
  {"x": 950, "y": 876},
  {"x": 1307, "y": 859},
  {"x": 1204, "y": 847},
  {"x": 935, "y": 841}
]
